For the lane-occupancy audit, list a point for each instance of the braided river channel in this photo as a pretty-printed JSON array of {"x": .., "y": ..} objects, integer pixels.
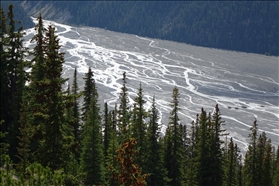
[{"x": 244, "y": 85}]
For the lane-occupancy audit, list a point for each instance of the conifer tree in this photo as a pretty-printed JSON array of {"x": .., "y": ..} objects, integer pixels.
[
  {"x": 202, "y": 159},
  {"x": 123, "y": 113},
  {"x": 216, "y": 151},
  {"x": 108, "y": 128},
  {"x": 275, "y": 179},
  {"x": 47, "y": 101},
  {"x": 267, "y": 165},
  {"x": 191, "y": 170},
  {"x": 92, "y": 157},
  {"x": 76, "y": 106},
  {"x": 4, "y": 112},
  {"x": 111, "y": 163},
  {"x": 250, "y": 163},
  {"x": 3, "y": 146},
  {"x": 113, "y": 145},
  {"x": 174, "y": 155},
  {"x": 139, "y": 128},
  {"x": 52, "y": 150},
  {"x": 231, "y": 165},
  {"x": 70, "y": 170},
  {"x": 157, "y": 174},
  {"x": 76, "y": 117},
  {"x": 24, "y": 140},
  {"x": 12, "y": 78},
  {"x": 130, "y": 173},
  {"x": 87, "y": 93},
  {"x": 36, "y": 88}
]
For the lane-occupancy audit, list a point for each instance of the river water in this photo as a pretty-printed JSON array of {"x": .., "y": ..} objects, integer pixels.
[{"x": 244, "y": 85}]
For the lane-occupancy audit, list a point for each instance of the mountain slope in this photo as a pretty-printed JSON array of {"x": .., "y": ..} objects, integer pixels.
[{"x": 233, "y": 25}]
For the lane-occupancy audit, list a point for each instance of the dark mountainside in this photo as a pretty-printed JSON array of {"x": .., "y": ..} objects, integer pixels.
[
  {"x": 241, "y": 26},
  {"x": 50, "y": 136}
]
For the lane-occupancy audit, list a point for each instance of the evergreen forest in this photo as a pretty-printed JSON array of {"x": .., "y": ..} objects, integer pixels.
[{"x": 56, "y": 136}]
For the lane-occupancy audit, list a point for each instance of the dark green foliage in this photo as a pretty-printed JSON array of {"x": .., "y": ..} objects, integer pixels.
[
  {"x": 232, "y": 165},
  {"x": 3, "y": 146},
  {"x": 123, "y": 112},
  {"x": 51, "y": 150},
  {"x": 202, "y": 150},
  {"x": 258, "y": 160},
  {"x": 275, "y": 180},
  {"x": 34, "y": 175},
  {"x": 3, "y": 69},
  {"x": 24, "y": 140},
  {"x": 249, "y": 26},
  {"x": 216, "y": 150},
  {"x": 111, "y": 163},
  {"x": 157, "y": 174},
  {"x": 139, "y": 128},
  {"x": 266, "y": 177},
  {"x": 108, "y": 129},
  {"x": 47, "y": 101},
  {"x": 92, "y": 157},
  {"x": 75, "y": 118},
  {"x": 76, "y": 107},
  {"x": 191, "y": 169},
  {"x": 251, "y": 161},
  {"x": 12, "y": 77},
  {"x": 35, "y": 89},
  {"x": 87, "y": 93},
  {"x": 174, "y": 151}
]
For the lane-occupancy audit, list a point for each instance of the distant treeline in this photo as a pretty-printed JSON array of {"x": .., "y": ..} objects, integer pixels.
[
  {"x": 248, "y": 26},
  {"x": 48, "y": 138}
]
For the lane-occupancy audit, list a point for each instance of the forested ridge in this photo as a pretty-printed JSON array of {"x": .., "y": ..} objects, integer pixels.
[
  {"x": 248, "y": 26},
  {"x": 52, "y": 136}
]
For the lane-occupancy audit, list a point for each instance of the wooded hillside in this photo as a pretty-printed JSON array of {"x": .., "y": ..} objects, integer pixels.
[{"x": 248, "y": 26}]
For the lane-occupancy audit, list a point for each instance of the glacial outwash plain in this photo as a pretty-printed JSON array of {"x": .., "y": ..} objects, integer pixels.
[{"x": 244, "y": 85}]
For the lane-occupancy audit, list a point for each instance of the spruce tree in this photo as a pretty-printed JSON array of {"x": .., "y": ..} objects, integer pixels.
[
  {"x": 216, "y": 151},
  {"x": 52, "y": 150},
  {"x": 113, "y": 145},
  {"x": 202, "y": 159},
  {"x": 4, "y": 112},
  {"x": 87, "y": 93},
  {"x": 24, "y": 140},
  {"x": 3, "y": 146},
  {"x": 76, "y": 117},
  {"x": 250, "y": 163},
  {"x": 275, "y": 179},
  {"x": 108, "y": 129},
  {"x": 12, "y": 78},
  {"x": 123, "y": 111},
  {"x": 139, "y": 128},
  {"x": 36, "y": 89},
  {"x": 70, "y": 169},
  {"x": 47, "y": 101},
  {"x": 92, "y": 157},
  {"x": 267, "y": 165},
  {"x": 157, "y": 174},
  {"x": 231, "y": 165},
  {"x": 174, "y": 155},
  {"x": 191, "y": 170}
]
